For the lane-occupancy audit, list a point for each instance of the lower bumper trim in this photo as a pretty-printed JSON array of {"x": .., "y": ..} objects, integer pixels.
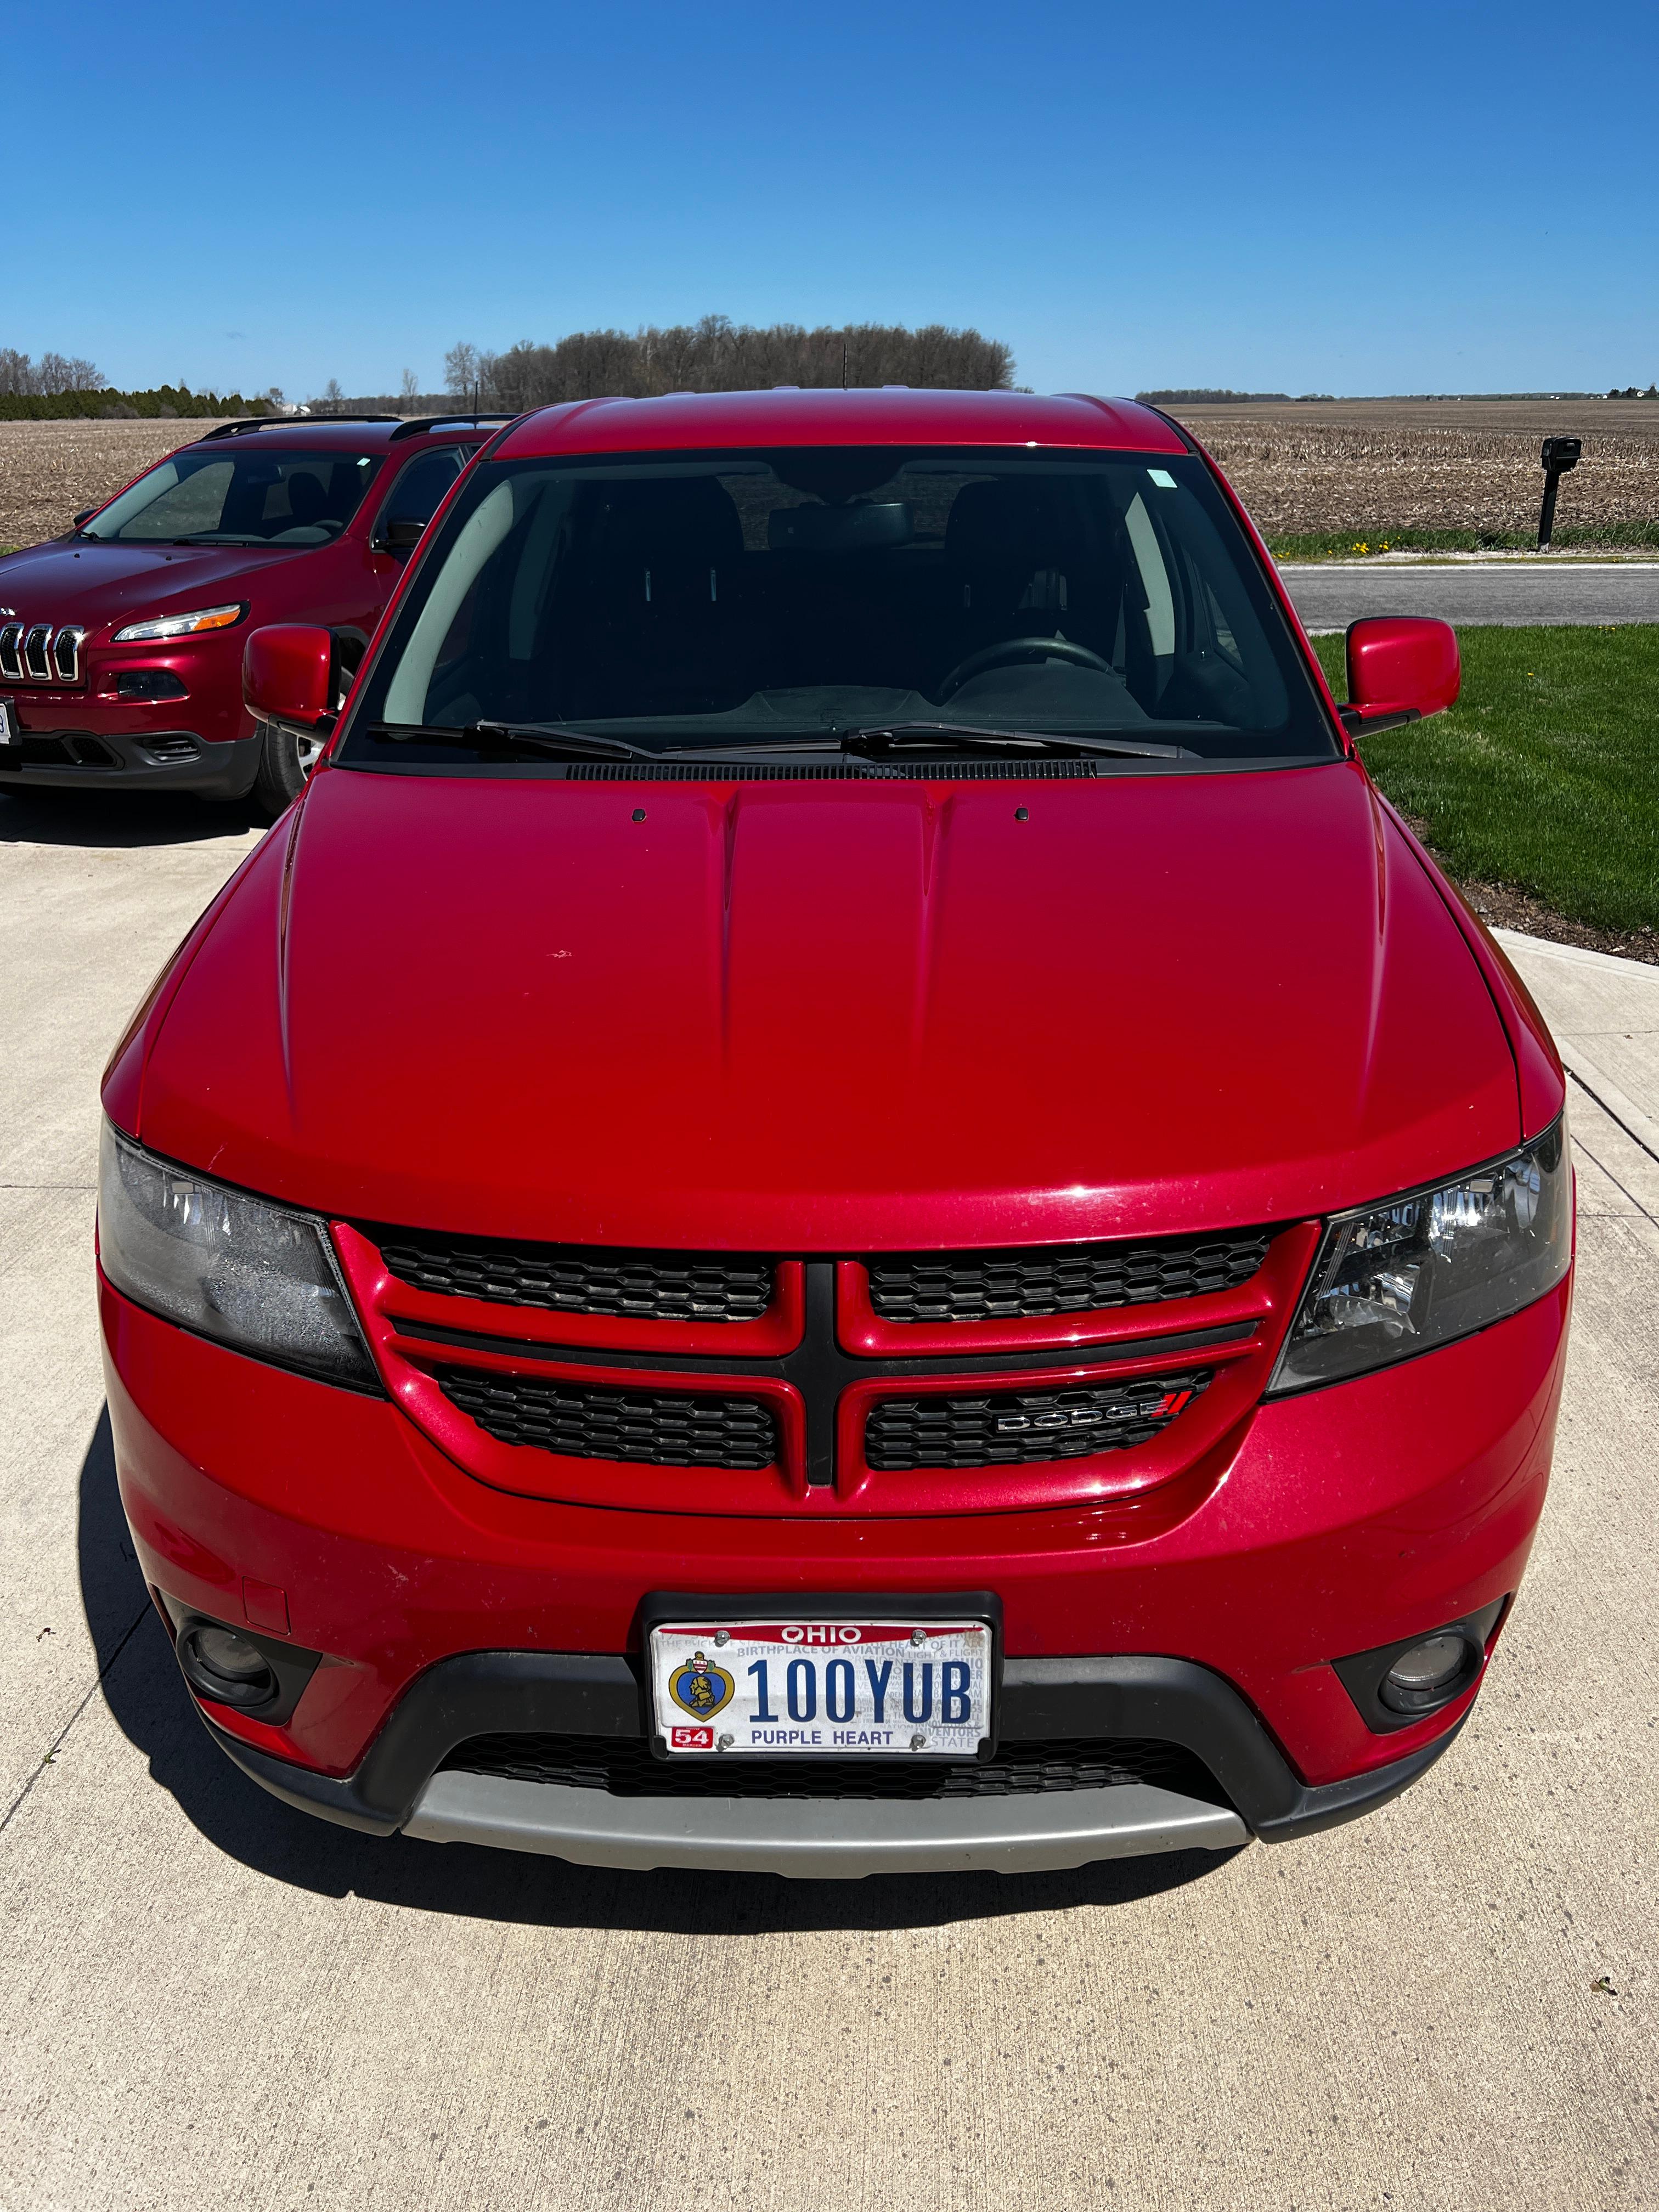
[
  {"x": 818, "y": 1839},
  {"x": 224, "y": 768},
  {"x": 402, "y": 1781}
]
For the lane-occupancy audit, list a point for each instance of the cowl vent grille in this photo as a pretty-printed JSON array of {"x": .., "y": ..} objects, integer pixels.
[
  {"x": 943, "y": 768},
  {"x": 1024, "y": 1285}
]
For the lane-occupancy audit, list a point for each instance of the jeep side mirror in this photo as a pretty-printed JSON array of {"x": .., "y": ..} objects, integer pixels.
[
  {"x": 404, "y": 535},
  {"x": 84, "y": 516},
  {"x": 1400, "y": 667},
  {"x": 286, "y": 676}
]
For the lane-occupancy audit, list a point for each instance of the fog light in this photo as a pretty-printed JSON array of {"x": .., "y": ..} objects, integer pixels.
[
  {"x": 1430, "y": 1672},
  {"x": 219, "y": 1663}
]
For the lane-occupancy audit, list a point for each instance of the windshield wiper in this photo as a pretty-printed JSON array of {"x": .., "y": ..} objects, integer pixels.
[
  {"x": 880, "y": 737},
  {"x": 484, "y": 736}
]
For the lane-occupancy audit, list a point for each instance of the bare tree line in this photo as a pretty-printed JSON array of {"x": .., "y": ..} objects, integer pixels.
[
  {"x": 47, "y": 377},
  {"x": 717, "y": 355}
]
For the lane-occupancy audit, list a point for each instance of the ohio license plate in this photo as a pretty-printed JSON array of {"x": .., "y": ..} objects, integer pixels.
[
  {"x": 849, "y": 1688},
  {"x": 8, "y": 730}
]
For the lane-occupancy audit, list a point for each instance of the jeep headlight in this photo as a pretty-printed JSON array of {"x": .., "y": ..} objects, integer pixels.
[
  {"x": 1395, "y": 1279},
  {"x": 259, "y": 1277},
  {"x": 161, "y": 627}
]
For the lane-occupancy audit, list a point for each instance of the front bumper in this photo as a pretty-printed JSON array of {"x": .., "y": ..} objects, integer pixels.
[
  {"x": 404, "y": 1784},
  {"x": 1341, "y": 1520},
  {"x": 112, "y": 760}
]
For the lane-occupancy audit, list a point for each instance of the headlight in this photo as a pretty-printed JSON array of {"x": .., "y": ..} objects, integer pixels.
[
  {"x": 165, "y": 626},
  {"x": 1397, "y": 1278},
  {"x": 248, "y": 1273}
]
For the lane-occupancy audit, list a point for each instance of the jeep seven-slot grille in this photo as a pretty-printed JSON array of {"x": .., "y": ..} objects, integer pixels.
[
  {"x": 582, "y": 1420},
  {"x": 966, "y": 1286},
  {"x": 1016, "y": 1428},
  {"x": 624, "y": 1766},
  {"x": 576, "y": 1278}
]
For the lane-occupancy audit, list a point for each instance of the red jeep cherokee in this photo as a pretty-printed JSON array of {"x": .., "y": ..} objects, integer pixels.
[
  {"x": 841, "y": 1199},
  {"x": 121, "y": 643}
]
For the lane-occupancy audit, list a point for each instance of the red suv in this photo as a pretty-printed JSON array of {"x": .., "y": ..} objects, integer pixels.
[
  {"x": 841, "y": 1198},
  {"x": 121, "y": 644}
]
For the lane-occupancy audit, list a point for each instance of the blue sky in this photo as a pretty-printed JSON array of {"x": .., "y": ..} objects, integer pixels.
[{"x": 1349, "y": 199}]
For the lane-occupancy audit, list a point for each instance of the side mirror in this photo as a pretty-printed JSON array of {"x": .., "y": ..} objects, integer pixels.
[
  {"x": 84, "y": 516},
  {"x": 286, "y": 676},
  {"x": 404, "y": 535},
  {"x": 1400, "y": 667}
]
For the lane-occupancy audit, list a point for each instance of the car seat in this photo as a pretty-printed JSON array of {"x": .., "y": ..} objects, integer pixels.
[
  {"x": 307, "y": 502},
  {"x": 650, "y": 624}
]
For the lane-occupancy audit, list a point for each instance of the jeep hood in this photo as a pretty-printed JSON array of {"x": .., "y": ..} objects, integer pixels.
[
  {"x": 77, "y": 580},
  {"x": 831, "y": 1015}
]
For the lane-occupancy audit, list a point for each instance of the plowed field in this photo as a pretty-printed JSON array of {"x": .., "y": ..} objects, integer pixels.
[
  {"x": 1375, "y": 465},
  {"x": 1368, "y": 466},
  {"x": 50, "y": 470}
]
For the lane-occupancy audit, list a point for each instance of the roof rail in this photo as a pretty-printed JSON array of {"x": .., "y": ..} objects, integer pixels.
[
  {"x": 463, "y": 419},
  {"x": 287, "y": 423}
]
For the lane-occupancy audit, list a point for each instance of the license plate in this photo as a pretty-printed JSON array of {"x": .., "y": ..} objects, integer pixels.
[
  {"x": 849, "y": 1688},
  {"x": 8, "y": 730}
]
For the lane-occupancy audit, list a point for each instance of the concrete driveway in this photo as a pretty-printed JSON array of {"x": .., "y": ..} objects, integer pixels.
[
  {"x": 1330, "y": 594},
  {"x": 208, "y": 2000}
]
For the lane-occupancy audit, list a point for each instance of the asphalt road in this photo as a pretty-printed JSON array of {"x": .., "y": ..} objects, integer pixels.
[
  {"x": 205, "y": 1999},
  {"x": 1329, "y": 595}
]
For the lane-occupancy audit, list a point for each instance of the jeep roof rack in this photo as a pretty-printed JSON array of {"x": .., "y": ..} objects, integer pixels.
[
  {"x": 287, "y": 423},
  {"x": 462, "y": 419}
]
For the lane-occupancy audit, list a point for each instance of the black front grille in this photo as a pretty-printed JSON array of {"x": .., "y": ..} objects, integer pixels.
[
  {"x": 581, "y": 1420},
  {"x": 624, "y": 1765},
  {"x": 1015, "y": 1428},
  {"x": 1024, "y": 1285},
  {"x": 579, "y": 1278}
]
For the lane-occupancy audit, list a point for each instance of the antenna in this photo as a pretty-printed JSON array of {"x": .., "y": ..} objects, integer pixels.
[{"x": 843, "y": 364}]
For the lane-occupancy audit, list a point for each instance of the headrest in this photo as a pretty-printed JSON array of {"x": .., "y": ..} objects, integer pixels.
[
  {"x": 691, "y": 521},
  {"x": 306, "y": 500},
  {"x": 1009, "y": 525}
]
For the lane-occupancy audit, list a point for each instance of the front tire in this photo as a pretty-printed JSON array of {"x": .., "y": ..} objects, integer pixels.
[{"x": 286, "y": 759}]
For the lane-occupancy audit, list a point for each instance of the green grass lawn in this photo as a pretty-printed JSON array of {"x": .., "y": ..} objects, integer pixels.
[{"x": 1546, "y": 774}]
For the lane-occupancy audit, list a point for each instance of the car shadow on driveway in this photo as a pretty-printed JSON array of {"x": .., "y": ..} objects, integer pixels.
[
  {"x": 122, "y": 818},
  {"x": 143, "y": 1689}
]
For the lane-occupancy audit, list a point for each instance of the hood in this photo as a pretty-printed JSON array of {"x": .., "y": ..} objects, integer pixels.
[
  {"x": 832, "y": 1016},
  {"x": 76, "y": 580}
]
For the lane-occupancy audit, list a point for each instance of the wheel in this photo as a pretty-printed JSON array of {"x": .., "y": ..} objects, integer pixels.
[
  {"x": 1019, "y": 648},
  {"x": 286, "y": 759}
]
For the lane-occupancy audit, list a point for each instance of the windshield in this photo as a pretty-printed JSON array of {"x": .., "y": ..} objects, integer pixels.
[
  {"x": 239, "y": 497},
  {"x": 694, "y": 600}
]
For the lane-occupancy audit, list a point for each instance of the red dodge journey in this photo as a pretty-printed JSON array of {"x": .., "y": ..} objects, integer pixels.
[{"x": 841, "y": 1198}]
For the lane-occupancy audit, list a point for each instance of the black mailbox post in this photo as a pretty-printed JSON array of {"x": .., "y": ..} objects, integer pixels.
[{"x": 1560, "y": 454}]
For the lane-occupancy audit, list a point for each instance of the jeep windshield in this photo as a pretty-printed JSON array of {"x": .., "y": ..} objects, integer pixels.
[
  {"x": 732, "y": 602},
  {"x": 243, "y": 497}
]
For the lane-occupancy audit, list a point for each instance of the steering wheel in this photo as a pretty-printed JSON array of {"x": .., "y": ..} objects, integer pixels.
[{"x": 1019, "y": 648}]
